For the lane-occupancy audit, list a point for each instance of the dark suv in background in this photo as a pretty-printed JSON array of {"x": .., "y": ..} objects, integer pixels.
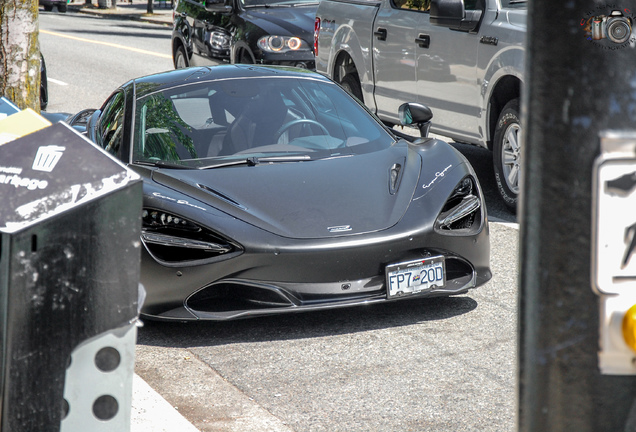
[{"x": 274, "y": 32}]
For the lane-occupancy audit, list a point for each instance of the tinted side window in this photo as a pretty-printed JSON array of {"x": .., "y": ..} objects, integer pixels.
[
  {"x": 425, "y": 5},
  {"x": 473, "y": 4},
  {"x": 415, "y": 5},
  {"x": 111, "y": 124}
]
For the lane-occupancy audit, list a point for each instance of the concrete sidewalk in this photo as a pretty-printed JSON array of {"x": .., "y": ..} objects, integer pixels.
[
  {"x": 152, "y": 413},
  {"x": 128, "y": 9}
]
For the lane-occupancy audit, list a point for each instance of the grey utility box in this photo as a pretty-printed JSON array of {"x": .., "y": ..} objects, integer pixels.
[{"x": 69, "y": 284}]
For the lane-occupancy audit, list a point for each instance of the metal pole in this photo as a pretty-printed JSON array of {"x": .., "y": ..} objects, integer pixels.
[{"x": 578, "y": 85}]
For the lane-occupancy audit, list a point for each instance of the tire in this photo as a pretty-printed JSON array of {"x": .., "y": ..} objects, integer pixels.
[
  {"x": 61, "y": 8},
  {"x": 507, "y": 148},
  {"x": 180, "y": 59},
  {"x": 351, "y": 83},
  {"x": 244, "y": 57},
  {"x": 48, "y": 8}
]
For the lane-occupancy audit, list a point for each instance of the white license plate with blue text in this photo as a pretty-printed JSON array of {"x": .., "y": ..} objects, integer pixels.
[{"x": 416, "y": 276}]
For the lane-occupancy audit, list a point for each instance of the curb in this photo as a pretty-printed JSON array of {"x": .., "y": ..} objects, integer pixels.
[
  {"x": 152, "y": 413},
  {"x": 138, "y": 14}
]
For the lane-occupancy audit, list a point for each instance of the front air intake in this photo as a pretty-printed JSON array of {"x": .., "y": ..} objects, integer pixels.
[
  {"x": 172, "y": 239},
  {"x": 462, "y": 210}
]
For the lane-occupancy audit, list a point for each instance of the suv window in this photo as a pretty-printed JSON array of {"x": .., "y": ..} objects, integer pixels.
[
  {"x": 425, "y": 5},
  {"x": 415, "y": 5},
  {"x": 111, "y": 125}
]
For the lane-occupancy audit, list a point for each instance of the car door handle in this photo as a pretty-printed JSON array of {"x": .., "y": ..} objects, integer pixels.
[
  {"x": 380, "y": 33},
  {"x": 423, "y": 41}
]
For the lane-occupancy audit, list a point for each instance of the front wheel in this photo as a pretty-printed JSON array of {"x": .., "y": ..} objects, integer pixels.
[
  {"x": 507, "y": 153},
  {"x": 180, "y": 59},
  {"x": 244, "y": 57}
]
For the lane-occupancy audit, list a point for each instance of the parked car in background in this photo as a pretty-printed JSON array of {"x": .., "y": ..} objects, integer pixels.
[
  {"x": 48, "y": 5},
  {"x": 462, "y": 58},
  {"x": 44, "y": 85},
  {"x": 271, "y": 32},
  {"x": 271, "y": 190}
]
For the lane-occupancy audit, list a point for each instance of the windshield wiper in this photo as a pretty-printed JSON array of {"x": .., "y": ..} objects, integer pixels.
[
  {"x": 253, "y": 161},
  {"x": 162, "y": 164}
]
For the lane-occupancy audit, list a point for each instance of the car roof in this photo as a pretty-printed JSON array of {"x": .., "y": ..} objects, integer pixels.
[{"x": 173, "y": 78}]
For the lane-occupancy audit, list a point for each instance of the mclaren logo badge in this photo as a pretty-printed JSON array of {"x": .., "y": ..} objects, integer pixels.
[{"x": 341, "y": 228}]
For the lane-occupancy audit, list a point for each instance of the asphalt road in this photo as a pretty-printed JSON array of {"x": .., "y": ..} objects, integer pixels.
[{"x": 438, "y": 364}]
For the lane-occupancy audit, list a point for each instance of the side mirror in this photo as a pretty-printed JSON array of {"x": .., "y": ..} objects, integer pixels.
[
  {"x": 218, "y": 5},
  {"x": 452, "y": 14},
  {"x": 416, "y": 114},
  {"x": 81, "y": 118}
]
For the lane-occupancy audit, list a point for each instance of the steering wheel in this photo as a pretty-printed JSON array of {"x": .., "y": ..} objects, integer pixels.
[{"x": 284, "y": 128}]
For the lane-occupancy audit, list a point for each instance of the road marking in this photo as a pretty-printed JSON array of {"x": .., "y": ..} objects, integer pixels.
[
  {"x": 58, "y": 82},
  {"x": 137, "y": 50}
]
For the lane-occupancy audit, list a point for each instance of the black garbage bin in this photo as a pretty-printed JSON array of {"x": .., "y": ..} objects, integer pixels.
[{"x": 69, "y": 284}]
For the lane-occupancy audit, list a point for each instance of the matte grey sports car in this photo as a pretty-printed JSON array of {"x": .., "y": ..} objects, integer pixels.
[{"x": 271, "y": 190}]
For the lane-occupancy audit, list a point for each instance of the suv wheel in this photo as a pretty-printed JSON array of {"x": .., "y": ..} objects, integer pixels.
[
  {"x": 244, "y": 57},
  {"x": 180, "y": 60},
  {"x": 507, "y": 153}
]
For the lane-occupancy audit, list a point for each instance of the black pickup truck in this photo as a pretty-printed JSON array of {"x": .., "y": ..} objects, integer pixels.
[{"x": 274, "y": 32}]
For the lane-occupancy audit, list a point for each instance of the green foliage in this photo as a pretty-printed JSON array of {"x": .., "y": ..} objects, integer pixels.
[
  {"x": 420, "y": 5},
  {"x": 162, "y": 116}
]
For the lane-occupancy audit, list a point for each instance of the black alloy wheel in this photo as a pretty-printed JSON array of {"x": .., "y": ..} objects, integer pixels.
[{"x": 180, "y": 59}]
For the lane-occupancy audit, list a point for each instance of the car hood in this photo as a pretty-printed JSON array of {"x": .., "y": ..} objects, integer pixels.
[
  {"x": 312, "y": 199},
  {"x": 290, "y": 21}
]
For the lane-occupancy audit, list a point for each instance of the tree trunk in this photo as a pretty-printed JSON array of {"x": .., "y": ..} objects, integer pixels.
[
  {"x": 20, "y": 53},
  {"x": 150, "y": 8}
]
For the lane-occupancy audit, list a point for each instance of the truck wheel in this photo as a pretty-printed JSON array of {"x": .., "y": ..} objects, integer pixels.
[
  {"x": 507, "y": 153},
  {"x": 61, "y": 8},
  {"x": 351, "y": 83},
  {"x": 180, "y": 60}
]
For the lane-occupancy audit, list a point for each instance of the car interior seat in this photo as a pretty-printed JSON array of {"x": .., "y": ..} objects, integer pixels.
[{"x": 257, "y": 123}]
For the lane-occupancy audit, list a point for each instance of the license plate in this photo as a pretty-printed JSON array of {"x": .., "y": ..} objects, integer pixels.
[{"x": 416, "y": 276}]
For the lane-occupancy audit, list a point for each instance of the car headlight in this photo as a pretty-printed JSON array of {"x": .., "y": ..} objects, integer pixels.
[
  {"x": 281, "y": 44},
  {"x": 219, "y": 40},
  {"x": 462, "y": 208},
  {"x": 173, "y": 239}
]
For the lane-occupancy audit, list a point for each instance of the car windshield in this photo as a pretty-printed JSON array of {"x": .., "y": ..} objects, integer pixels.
[{"x": 252, "y": 120}]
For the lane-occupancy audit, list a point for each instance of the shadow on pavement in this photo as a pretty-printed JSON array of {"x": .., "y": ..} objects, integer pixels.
[
  {"x": 304, "y": 325},
  {"x": 481, "y": 160}
]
